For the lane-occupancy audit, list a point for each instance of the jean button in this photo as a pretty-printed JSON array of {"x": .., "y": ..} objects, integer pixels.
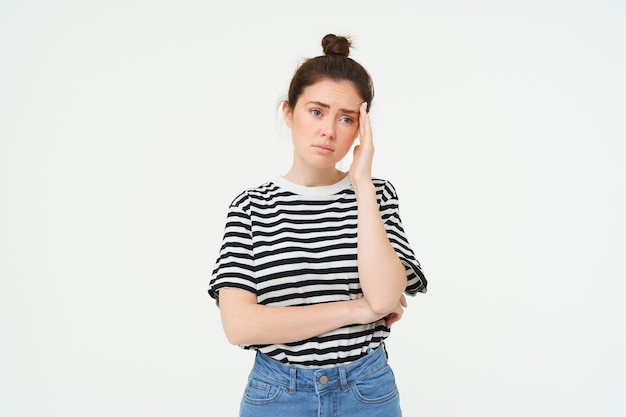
[{"x": 323, "y": 380}]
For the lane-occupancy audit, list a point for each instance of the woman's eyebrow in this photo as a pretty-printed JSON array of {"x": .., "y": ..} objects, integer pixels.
[{"x": 326, "y": 106}]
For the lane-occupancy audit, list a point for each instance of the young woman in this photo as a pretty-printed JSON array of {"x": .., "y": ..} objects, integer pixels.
[{"x": 315, "y": 263}]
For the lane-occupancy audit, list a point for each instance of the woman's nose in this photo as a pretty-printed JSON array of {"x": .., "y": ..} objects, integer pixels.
[{"x": 328, "y": 130}]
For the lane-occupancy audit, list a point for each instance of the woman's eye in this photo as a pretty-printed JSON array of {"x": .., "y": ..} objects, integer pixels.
[
  {"x": 316, "y": 112},
  {"x": 346, "y": 120}
]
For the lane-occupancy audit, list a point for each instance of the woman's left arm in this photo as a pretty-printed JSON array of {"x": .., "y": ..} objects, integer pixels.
[{"x": 381, "y": 273}]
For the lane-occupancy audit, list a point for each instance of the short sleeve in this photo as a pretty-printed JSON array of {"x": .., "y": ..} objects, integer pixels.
[
  {"x": 390, "y": 212},
  {"x": 234, "y": 267}
]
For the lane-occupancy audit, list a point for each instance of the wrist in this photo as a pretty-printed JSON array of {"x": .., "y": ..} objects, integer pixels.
[
  {"x": 364, "y": 188},
  {"x": 362, "y": 312}
]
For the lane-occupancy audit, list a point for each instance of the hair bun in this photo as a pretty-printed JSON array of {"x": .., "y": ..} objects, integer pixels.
[{"x": 336, "y": 45}]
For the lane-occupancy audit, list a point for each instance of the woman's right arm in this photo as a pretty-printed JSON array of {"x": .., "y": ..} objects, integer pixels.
[{"x": 247, "y": 323}]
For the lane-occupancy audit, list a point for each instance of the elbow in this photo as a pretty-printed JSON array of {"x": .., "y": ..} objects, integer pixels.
[
  {"x": 231, "y": 337},
  {"x": 234, "y": 334},
  {"x": 383, "y": 306},
  {"x": 385, "y": 300},
  {"x": 237, "y": 321},
  {"x": 234, "y": 331},
  {"x": 234, "y": 338},
  {"x": 234, "y": 341}
]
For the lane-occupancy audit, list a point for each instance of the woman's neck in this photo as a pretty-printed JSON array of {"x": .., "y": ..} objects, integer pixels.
[{"x": 314, "y": 178}]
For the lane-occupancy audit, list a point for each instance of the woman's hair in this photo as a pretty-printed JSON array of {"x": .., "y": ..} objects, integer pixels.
[{"x": 334, "y": 65}]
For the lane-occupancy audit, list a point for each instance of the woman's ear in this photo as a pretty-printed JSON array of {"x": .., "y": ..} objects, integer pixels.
[{"x": 287, "y": 114}]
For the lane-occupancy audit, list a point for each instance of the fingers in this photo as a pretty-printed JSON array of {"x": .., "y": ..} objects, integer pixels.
[
  {"x": 365, "y": 127},
  {"x": 391, "y": 319},
  {"x": 403, "y": 301},
  {"x": 397, "y": 313}
]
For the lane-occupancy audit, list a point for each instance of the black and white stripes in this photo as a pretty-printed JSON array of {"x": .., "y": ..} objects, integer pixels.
[{"x": 294, "y": 245}]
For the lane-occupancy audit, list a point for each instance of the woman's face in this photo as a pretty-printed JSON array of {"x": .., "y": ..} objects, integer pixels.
[{"x": 324, "y": 122}]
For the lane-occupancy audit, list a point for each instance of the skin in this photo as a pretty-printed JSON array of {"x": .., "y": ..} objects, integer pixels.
[{"x": 325, "y": 122}]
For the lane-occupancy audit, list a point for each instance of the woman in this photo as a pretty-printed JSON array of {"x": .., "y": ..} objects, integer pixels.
[{"x": 315, "y": 263}]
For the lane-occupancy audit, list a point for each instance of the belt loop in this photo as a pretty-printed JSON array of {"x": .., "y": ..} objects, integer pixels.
[
  {"x": 292, "y": 380},
  {"x": 343, "y": 378}
]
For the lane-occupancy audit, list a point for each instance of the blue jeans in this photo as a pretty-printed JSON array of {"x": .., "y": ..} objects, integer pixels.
[{"x": 363, "y": 388}]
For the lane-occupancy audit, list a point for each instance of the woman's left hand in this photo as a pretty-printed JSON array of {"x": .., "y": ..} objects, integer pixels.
[
  {"x": 398, "y": 312},
  {"x": 361, "y": 168}
]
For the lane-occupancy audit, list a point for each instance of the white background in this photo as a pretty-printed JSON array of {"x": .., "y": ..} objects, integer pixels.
[{"x": 126, "y": 127}]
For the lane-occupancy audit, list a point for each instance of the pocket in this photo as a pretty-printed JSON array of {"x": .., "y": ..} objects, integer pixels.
[
  {"x": 261, "y": 392},
  {"x": 378, "y": 388}
]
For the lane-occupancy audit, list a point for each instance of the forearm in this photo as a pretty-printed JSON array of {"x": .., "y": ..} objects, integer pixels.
[
  {"x": 246, "y": 322},
  {"x": 381, "y": 273}
]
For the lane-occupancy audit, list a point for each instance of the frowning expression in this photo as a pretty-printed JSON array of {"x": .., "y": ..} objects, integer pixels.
[{"x": 324, "y": 122}]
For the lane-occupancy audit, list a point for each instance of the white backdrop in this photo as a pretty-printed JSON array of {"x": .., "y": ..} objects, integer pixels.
[{"x": 126, "y": 127}]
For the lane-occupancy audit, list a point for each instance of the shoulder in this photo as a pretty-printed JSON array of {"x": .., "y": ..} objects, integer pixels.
[
  {"x": 384, "y": 188},
  {"x": 265, "y": 191}
]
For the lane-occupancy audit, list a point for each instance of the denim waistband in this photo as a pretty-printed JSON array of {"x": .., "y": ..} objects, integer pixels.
[{"x": 319, "y": 379}]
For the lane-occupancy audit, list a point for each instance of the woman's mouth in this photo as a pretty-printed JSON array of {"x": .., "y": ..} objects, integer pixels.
[{"x": 323, "y": 149}]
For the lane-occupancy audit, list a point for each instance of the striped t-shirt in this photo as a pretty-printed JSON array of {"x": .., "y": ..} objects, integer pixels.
[{"x": 293, "y": 245}]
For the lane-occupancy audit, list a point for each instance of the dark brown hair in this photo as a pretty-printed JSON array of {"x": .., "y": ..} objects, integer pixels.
[{"x": 335, "y": 65}]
